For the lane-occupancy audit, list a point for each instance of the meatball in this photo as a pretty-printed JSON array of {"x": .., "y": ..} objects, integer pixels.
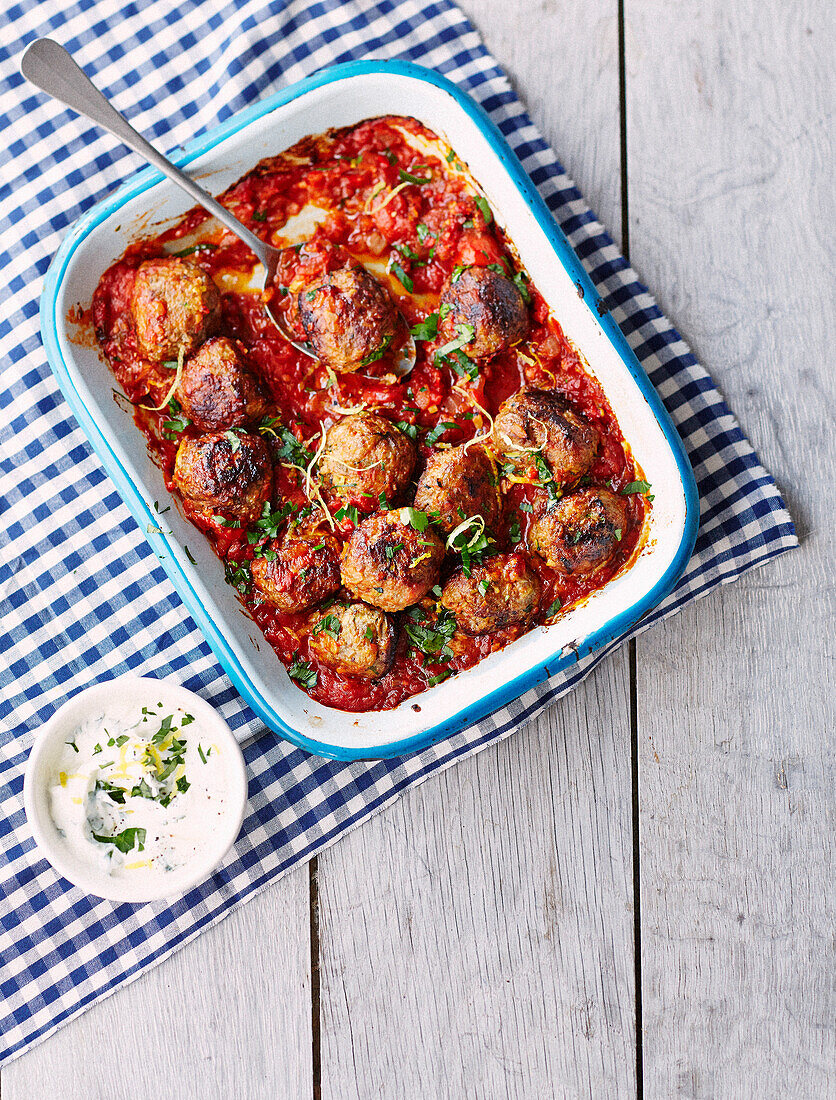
[
  {"x": 490, "y": 303},
  {"x": 175, "y": 305},
  {"x": 389, "y": 564},
  {"x": 228, "y": 472},
  {"x": 541, "y": 421},
  {"x": 305, "y": 568},
  {"x": 365, "y": 456},
  {"x": 218, "y": 388},
  {"x": 354, "y": 639},
  {"x": 503, "y": 590},
  {"x": 457, "y": 484},
  {"x": 580, "y": 533},
  {"x": 348, "y": 317}
]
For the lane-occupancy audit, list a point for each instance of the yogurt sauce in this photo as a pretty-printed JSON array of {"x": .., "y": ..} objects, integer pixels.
[{"x": 138, "y": 791}]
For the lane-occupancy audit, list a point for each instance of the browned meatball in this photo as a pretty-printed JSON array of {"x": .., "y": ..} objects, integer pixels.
[
  {"x": 218, "y": 388},
  {"x": 225, "y": 472},
  {"x": 348, "y": 317},
  {"x": 175, "y": 305},
  {"x": 503, "y": 590},
  {"x": 581, "y": 532},
  {"x": 366, "y": 455},
  {"x": 543, "y": 422},
  {"x": 354, "y": 639},
  {"x": 457, "y": 484},
  {"x": 491, "y": 304},
  {"x": 389, "y": 564},
  {"x": 305, "y": 568}
]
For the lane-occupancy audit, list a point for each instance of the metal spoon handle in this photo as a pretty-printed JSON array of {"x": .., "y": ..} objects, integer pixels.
[{"x": 49, "y": 67}]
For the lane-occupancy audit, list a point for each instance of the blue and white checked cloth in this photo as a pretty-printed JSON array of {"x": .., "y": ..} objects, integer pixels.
[{"x": 82, "y": 596}]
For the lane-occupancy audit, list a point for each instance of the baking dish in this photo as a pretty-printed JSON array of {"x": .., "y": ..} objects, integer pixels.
[{"x": 338, "y": 97}]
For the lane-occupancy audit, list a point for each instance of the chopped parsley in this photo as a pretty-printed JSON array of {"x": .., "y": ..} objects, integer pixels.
[
  {"x": 464, "y": 335},
  {"x": 176, "y": 423},
  {"x": 555, "y": 607},
  {"x": 470, "y": 540},
  {"x": 439, "y": 677},
  {"x": 484, "y": 209},
  {"x": 378, "y": 352},
  {"x": 408, "y": 177},
  {"x": 237, "y": 573},
  {"x": 415, "y": 518},
  {"x": 114, "y": 793},
  {"x": 402, "y": 277},
  {"x": 347, "y": 512},
  {"x": 303, "y": 673},
  {"x": 410, "y": 430},
  {"x": 126, "y": 840},
  {"x": 428, "y": 636},
  {"x": 330, "y": 625},
  {"x": 259, "y": 216},
  {"x": 201, "y": 246},
  {"x": 432, "y": 437},
  {"x": 286, "y": 445},
  {"x": 267, "y": 526},
  {"x": 142, "y": 790},
  {"x": 426, "y": 329},
  {"x": 637, "y": 487}
]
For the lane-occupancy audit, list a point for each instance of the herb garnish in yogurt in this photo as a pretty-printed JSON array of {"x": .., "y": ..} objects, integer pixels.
[{"x": 138, "y": 790}]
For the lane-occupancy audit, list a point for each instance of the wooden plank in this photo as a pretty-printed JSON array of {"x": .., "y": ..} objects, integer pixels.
[
  {"x": 730, "y": 145},
  {"x": 476, "y": 940},
  {"x": 228, "y": 1016}
]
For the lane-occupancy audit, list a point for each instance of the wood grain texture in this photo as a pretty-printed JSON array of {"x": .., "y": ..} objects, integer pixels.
[
  {"x": 228, "y": 1016},
  {"x": 730, "y": 154},
  {"x": 476, "y": 940}
]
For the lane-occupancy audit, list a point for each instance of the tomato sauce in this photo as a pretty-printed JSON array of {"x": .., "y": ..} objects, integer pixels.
[{"x": 389, "y": 194}]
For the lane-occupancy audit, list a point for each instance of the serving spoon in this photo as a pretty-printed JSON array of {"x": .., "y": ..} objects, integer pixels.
[{"x": 48, "y": 66}]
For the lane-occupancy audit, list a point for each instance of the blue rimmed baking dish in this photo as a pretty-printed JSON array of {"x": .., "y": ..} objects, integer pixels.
[{"x": 341, "y": 96}]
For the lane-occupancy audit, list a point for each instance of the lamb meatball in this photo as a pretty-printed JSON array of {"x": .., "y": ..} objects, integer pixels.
[
  {"x": 347, "y": 316},
  {"x": 361, "y": 642},
  {"x": 502, "y": 591},
  {"x": 218, "y": 388},
  {"x": 389, "y": 564},
  {"x": 581, "y": 532},
  {"x": 543, "y": 421},
  {"x": 224, "y": 472},
  {"x": 366, "y": 455},
  {"x": 305, "y": 570},
  {"x": 490, "y": 303},
  {"x": 175, "y": 305},
  {"x": 458, "y": 483}
]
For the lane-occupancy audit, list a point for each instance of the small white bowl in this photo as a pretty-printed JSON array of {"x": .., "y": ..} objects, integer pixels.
[{"x": 43, "y": 762}]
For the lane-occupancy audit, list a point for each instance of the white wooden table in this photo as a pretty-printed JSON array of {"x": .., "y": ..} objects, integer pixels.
[{"x": 634, "y": 895}]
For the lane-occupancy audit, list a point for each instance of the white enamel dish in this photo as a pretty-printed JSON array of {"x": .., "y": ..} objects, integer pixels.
[{"x": 339, "y": 97}]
